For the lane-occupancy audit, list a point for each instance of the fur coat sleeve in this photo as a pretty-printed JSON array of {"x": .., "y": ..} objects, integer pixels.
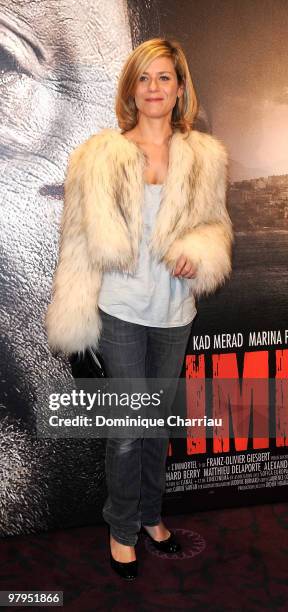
[
  {"x": 208, "y": 244},
  {"x": 72, "y": 321}
]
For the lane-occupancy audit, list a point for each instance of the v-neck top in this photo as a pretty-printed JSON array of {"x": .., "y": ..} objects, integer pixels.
[{"x": 150, "y": 296}]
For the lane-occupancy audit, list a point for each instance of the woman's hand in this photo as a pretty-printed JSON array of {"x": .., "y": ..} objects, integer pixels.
[{"x": 184, "y": 268}]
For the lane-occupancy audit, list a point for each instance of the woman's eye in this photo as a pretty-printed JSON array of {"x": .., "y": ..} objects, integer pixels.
[{"x": 163, "y": 76}]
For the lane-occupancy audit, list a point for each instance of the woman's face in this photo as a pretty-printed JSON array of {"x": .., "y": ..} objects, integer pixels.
[{"x": 157, "y": 89}]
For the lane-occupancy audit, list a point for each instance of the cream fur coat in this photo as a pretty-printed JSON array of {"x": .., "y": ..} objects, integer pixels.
[{"x": 101, "y": 225}]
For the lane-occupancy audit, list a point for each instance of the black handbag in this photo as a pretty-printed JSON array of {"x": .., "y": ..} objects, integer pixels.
[{"x": 87, "y": 365}]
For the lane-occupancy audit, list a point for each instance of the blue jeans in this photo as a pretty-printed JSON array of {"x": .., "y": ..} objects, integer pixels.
[{"x": 136, "y": 468}]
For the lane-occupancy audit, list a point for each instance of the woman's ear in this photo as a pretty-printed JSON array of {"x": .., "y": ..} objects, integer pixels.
[{"x": 181, "y": 90}]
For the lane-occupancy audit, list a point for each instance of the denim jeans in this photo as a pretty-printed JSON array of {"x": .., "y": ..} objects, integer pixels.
[{"x": 136, "y": 468}]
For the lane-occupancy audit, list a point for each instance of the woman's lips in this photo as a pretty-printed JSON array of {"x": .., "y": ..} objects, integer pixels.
[{"x": 154, "y": 99}]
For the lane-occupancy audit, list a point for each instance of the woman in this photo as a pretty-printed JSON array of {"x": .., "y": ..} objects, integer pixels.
[{"x": 144, "y": 231}]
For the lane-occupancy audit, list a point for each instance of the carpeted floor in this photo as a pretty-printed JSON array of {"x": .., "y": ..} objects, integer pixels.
[{"x": 233, "y": 560}]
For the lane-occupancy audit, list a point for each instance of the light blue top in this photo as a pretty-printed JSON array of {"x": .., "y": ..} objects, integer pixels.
[{"x": 151, "y": 296}]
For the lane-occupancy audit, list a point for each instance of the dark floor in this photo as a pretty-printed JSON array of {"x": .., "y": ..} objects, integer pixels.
[{"x": 233, "y": 560}]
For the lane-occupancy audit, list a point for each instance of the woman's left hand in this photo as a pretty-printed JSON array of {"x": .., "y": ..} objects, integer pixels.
[{"x": 184, "y": 268}]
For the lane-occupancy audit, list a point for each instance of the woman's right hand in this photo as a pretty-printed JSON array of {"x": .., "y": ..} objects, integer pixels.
[{"x": 184, "y": 268}]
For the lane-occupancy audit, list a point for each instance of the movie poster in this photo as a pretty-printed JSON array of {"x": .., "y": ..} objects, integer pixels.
[
  {"x": 240, "y": 336},
  {"x": 244, "y": 457},
  {"x": 59, "y": 70}
]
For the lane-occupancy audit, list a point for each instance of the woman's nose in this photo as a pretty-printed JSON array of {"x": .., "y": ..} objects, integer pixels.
[{"x": 153, "y": 84}]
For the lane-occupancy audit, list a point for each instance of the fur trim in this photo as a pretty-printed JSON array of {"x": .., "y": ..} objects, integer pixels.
[
  {"x": 112, "y": 200},
  {"x": 207, "y": 243},
  {"x": 101, "y": 226}
]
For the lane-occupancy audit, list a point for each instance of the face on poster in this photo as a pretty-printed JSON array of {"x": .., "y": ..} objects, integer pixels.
[{"x": 59, "y": 63}]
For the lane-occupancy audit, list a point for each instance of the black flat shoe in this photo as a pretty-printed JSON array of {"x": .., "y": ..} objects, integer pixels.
[
  {"x": 128, "y": 571},
  {"x": 170, "y": 545}
]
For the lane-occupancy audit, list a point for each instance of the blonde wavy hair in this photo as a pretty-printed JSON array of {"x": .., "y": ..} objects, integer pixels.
[{"x": 186, "y": 107}]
